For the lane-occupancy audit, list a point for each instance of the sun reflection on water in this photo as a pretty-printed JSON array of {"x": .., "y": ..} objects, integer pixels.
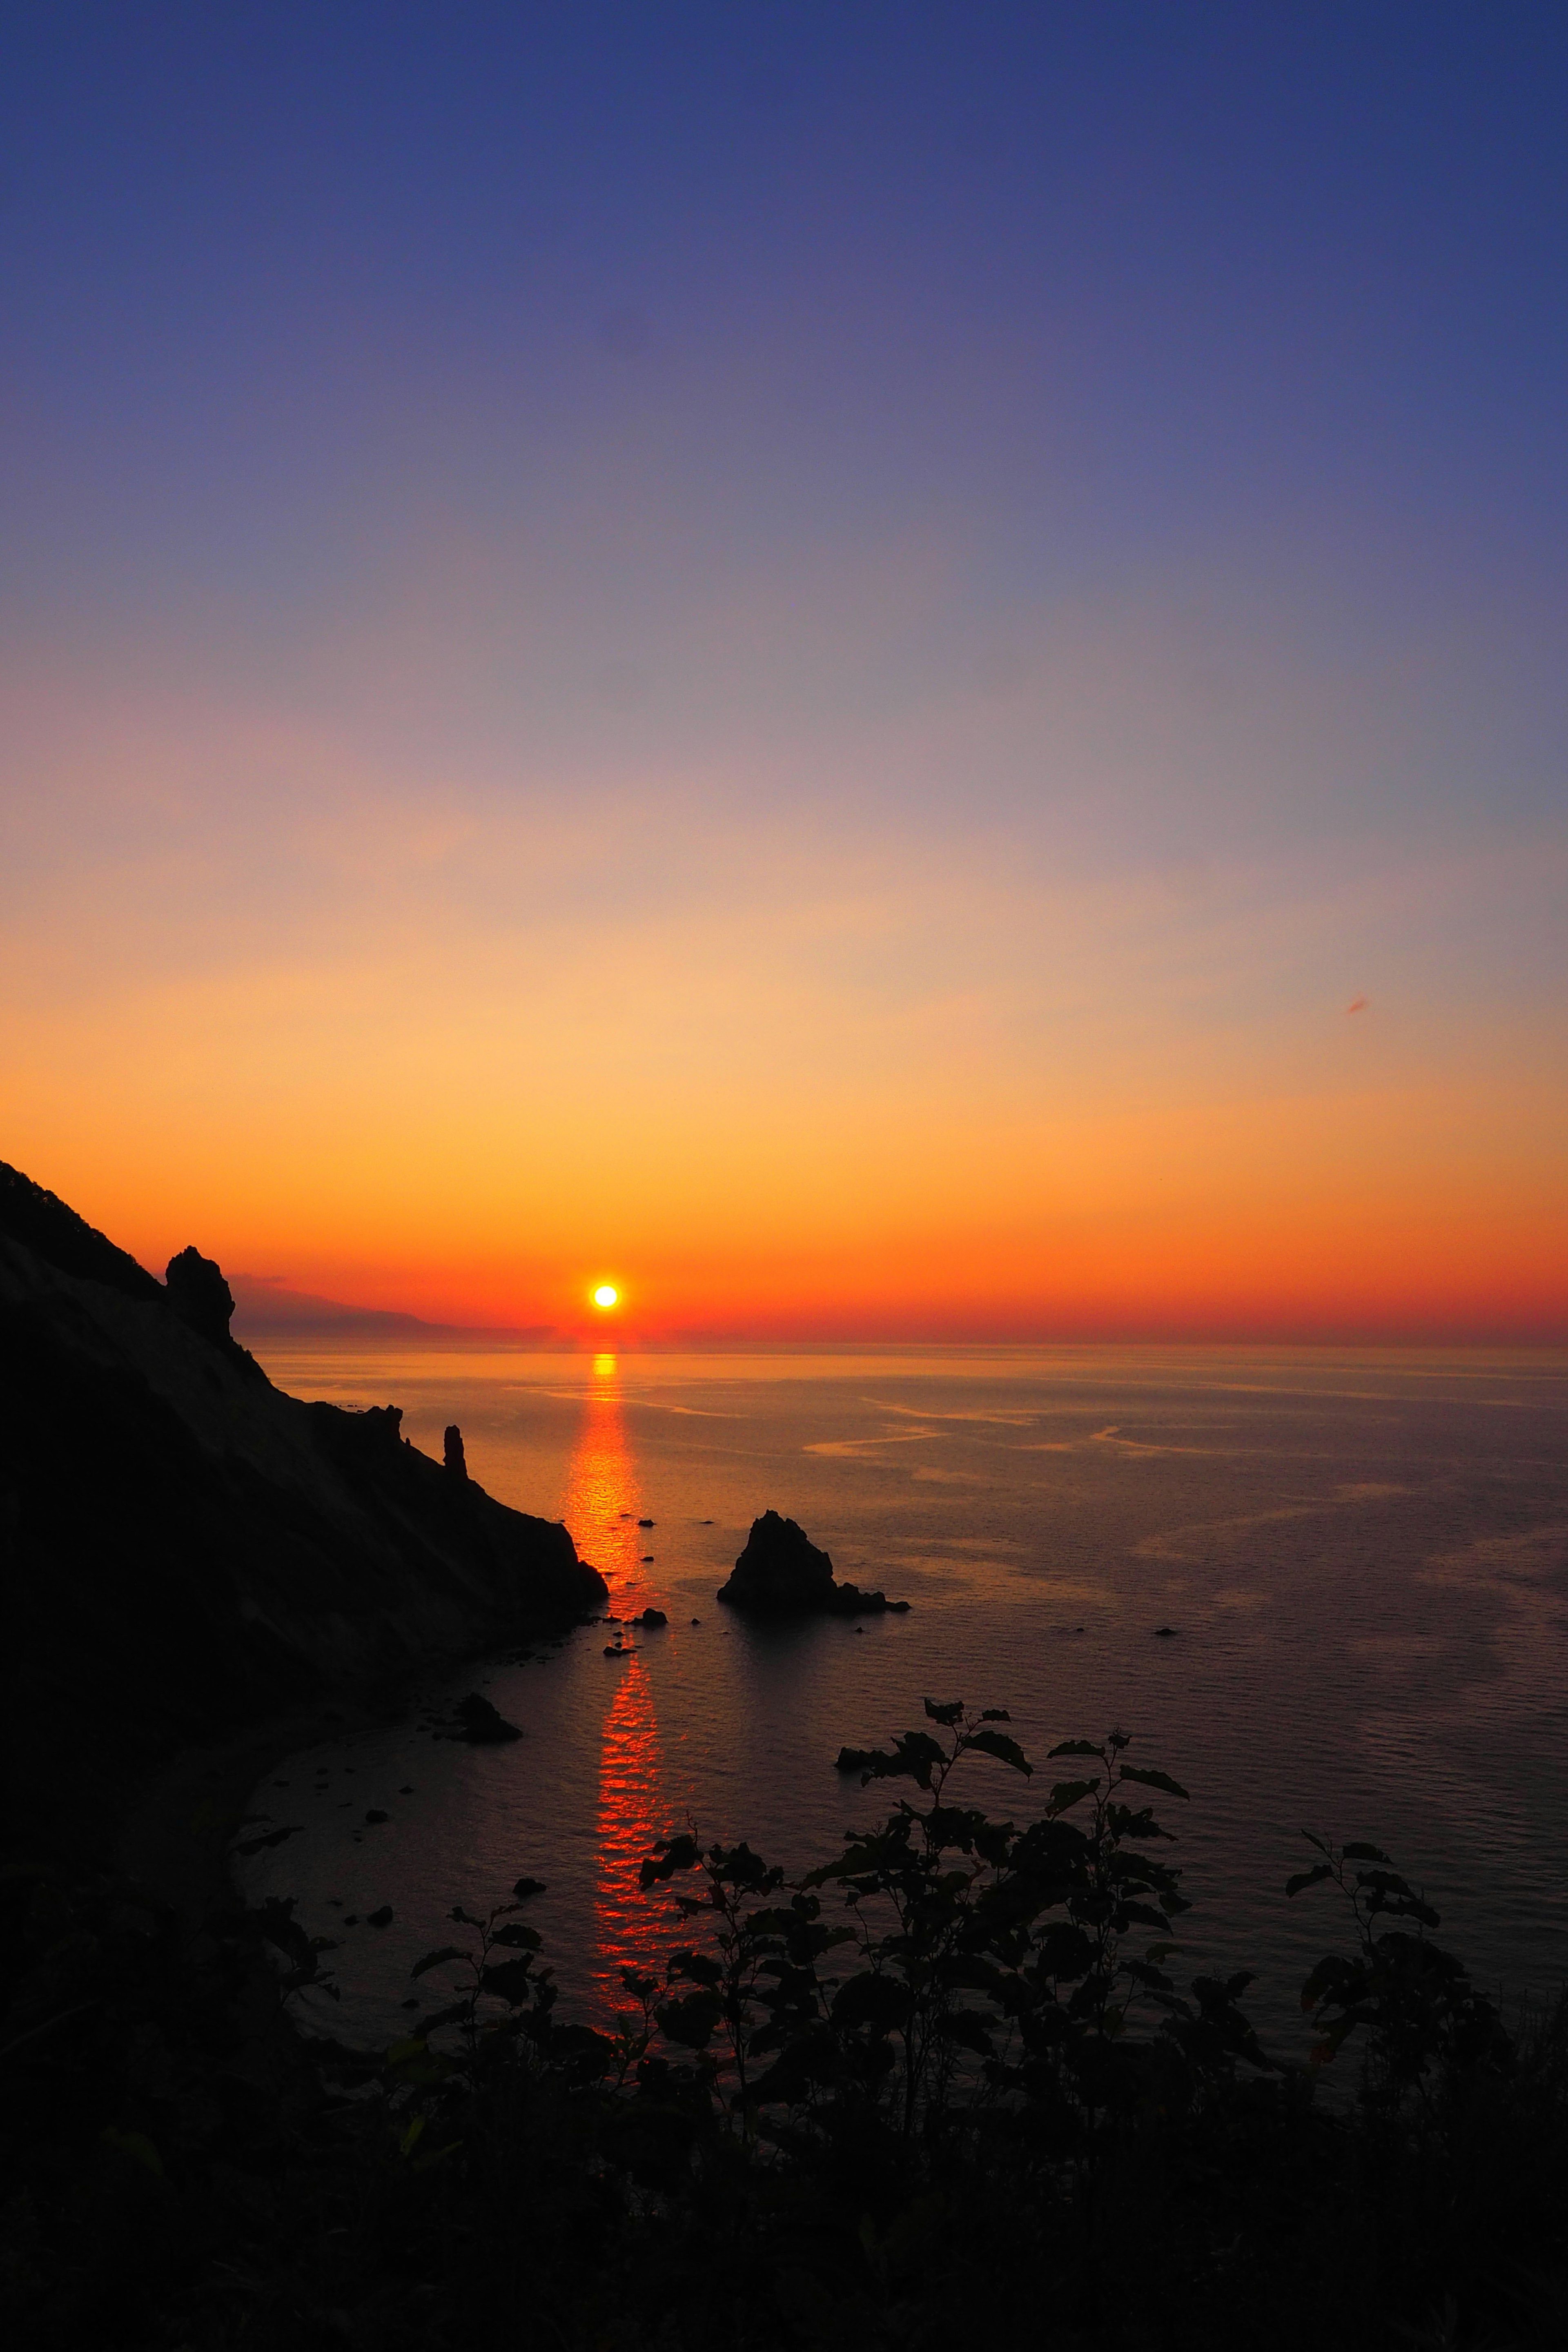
[
  {"x": 628, "y": 1930},
  {"x": 602, "y": 1507}
]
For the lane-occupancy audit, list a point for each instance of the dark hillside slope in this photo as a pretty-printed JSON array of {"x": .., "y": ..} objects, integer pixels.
[{"x": 186, "y": 1549}]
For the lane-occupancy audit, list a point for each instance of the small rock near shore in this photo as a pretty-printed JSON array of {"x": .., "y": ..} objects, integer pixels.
[{"x": 483, "y": 1726}]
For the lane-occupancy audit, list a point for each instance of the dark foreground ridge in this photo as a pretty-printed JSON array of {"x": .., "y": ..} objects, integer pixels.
[
  {"x": 781, "y": 1573},
  {"x": 957, "y": 2072},
  {"x": 190, "y": 1549}
]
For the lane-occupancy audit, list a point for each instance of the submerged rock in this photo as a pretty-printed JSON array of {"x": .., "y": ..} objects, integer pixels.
[
  {"x": 483, "y": 1726},
  {"x": 781, "y": 1573},
  {"x": 652, "y": 1617}
]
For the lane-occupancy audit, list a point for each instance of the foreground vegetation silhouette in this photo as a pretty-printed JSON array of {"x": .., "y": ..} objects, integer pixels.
[{"x": 948, "y": 2077}]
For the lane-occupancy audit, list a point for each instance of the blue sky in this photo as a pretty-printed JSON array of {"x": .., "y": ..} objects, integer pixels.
[{"x": 466, "y": 470}]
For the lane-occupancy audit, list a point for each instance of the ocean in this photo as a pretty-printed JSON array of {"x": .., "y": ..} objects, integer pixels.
[{"x": 1361, "y": 1556}]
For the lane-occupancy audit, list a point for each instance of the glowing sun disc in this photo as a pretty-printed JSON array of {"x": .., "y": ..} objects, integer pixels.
[{"x": 606, "y": 1295}]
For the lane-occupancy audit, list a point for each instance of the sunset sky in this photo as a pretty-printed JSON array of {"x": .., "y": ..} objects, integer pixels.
[{"x": 878, "y": 671}]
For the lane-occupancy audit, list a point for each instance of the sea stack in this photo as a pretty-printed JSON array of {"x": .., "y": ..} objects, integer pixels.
[{"x": 781, "y": 1573}]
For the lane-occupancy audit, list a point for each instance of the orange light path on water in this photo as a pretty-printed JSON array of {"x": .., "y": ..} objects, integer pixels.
[
  {"x": 630, "y": 1928},
  {"x": 601, "y": 1508}
]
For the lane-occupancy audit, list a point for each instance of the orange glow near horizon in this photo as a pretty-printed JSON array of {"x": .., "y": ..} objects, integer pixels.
[
  {"x": 842, "y": 1101},
  {"x": 1382, "y": 1218}
]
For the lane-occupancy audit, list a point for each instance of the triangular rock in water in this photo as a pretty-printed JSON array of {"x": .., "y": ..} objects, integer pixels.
[{"x": 781, "y": 1573}]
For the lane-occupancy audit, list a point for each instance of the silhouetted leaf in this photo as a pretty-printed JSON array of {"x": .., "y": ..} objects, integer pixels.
[
  {"x": 870, "y": 2000},
  {"x": 1068, "y": 1793},
  {"x": 700, "y": 1968},
  {"x": 916, "y": 1754},
  {"x": 137, "y": 2146},
  {"x": 1154, "y": 1781},
  {"x": 691, "y": 2019},
  {"x": 1137, "y": 1914},
  {"x": 457, "y": 2013},
  {"x": 512, "y": 1979},
  {"x": 968, "y": 2029},
  {"x": 438, "y": 1959},
  {"x": 668, "y": 1855},
  {"x": 415, "y": 2064},
  {"x": 1005, "y": 1750}
]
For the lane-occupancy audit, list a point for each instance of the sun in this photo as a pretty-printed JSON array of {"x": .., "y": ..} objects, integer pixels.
[{"x": 606, "y": 1296}]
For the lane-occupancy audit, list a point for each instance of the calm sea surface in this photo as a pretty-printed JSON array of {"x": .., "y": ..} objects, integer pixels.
[{"x": 1363, "y": 1556}]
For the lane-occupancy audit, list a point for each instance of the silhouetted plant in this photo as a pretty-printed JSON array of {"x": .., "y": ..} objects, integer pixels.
[
  {"x": 947, "y": 2065},
  {"x": 993, "y": 1964},
  {"x": 498, "y": 2000},
  {"x": 1423, "y": 2020},
  {"x": 757, "y": 1989},
  {"x": 299, "y": 1956},
  {"x": 932, "y": 1987}
]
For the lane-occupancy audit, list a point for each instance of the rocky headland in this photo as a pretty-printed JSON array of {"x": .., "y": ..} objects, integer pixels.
[
  {"x": 781, "y": 1573},
  {"x": 189, "y": 1549}
]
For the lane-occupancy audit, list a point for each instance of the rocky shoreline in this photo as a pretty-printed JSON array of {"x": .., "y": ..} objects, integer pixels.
[{"x": 197, "y": 1555}]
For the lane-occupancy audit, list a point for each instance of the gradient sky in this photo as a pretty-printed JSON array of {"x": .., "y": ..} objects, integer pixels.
[{"x": 800, "y": 655}]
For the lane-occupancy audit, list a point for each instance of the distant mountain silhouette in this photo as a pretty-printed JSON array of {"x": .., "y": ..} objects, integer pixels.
[
  {"x": 266, "y": 1308},
  {"x": 190, "y": 1548}
]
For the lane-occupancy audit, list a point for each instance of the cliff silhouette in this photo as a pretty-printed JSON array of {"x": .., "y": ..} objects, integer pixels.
[{"x": 188, "y": 1548}]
